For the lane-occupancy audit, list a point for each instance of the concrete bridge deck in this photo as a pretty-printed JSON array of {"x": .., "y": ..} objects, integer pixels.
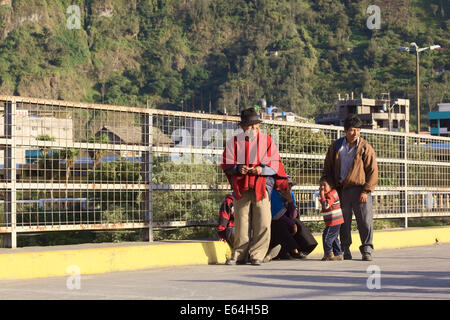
[
  {"x": 408, "y": 264},
  {"x": 405, "y": 273}
]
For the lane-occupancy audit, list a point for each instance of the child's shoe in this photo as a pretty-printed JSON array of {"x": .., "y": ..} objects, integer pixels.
[{"x": 328, "y": 257}]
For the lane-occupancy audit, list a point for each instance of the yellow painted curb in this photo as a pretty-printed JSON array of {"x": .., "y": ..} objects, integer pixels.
[
  {"x": 51, "y": 263},
  {"x": 391, "y": 239},
  {"x": 26, "y": 265}
]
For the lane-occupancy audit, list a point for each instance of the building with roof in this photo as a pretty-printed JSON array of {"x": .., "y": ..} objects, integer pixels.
[
  {"x": 273, "y": 113},
  {"x": 439, "y": 121},
  {"x": 32, "y": 128},
  {"x": 132, "y": 135},
  {"x": 377, "y": 114}
]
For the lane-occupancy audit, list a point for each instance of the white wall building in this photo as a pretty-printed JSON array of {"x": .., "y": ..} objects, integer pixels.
[{"x": 30, "y": 127}]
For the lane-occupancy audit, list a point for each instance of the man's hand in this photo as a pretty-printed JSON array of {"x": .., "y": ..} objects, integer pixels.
[
  {"x": 242, "y": 169},
  {"x": 256, "y": 171},
  {"x": 363, "y": 197}
]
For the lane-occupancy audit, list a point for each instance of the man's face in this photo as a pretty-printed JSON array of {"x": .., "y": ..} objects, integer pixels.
[
  {"x": 252, "y": 126},
  {"x": 251, "y": 130},
  {"x": 352, "y": 134}
]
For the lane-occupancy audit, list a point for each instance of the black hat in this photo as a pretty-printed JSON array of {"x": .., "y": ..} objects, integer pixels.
[
  {"x": 249, "y": 116},
  {"x": 290, "y": 181}
]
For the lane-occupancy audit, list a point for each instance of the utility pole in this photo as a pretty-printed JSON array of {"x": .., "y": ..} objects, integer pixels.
[
  {"x": 414, "y": 48},
  {"x": 418, "y": 90}
]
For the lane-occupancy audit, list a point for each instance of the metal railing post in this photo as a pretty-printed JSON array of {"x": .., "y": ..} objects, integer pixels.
[
  {"x": 147, "y": 159},
  {"x": 10, "y": 239},
  {"x": 405, "y": 178}
]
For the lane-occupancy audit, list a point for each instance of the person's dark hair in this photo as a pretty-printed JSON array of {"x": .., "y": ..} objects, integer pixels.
[{"x": 352, "y": 121}]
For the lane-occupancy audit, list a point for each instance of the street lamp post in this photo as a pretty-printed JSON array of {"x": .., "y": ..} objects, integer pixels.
[
  {"x": 414, "y": 48},
  {"x": 387, "y": 106},
  {"x": 417, "y": 87}
]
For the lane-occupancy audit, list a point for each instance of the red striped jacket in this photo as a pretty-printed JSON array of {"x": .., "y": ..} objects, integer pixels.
[
  {"x": 331, "y": 209},
  {"x": 226, "y": 216},
  {"x": 261, "y": 151}
]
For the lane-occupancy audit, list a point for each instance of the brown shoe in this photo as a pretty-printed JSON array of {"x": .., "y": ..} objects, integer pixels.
[
  {"x": 272, "y": 253},
  {"x": 339, "y": 257},
  {"x": 328, "y": 257}
]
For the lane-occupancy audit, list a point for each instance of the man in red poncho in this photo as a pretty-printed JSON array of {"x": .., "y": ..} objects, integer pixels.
[{"x": 253, "y": 167}]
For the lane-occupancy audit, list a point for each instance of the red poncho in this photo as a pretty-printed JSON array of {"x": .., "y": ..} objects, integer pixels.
[{"x": 259, "y": 151}]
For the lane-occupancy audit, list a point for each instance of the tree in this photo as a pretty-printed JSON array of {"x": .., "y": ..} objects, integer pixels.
[
  {"x": 69, "y": 156},
  {"x": 98, "y": 154}
]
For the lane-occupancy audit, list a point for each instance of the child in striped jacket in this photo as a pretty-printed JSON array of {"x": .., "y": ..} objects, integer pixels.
[{"x": 332, "y": 215}]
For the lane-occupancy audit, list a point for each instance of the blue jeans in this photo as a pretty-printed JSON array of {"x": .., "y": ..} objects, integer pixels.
[{"x": 330, "y": 240}]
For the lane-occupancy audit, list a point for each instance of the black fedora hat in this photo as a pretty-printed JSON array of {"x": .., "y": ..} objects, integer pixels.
[{"x": 249, "y": 116}]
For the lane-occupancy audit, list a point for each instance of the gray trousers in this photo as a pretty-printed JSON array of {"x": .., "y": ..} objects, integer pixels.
[{"x": 349, "y": 199}]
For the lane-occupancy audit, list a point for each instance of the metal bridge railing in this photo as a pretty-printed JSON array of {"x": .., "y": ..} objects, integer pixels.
[
  {"x": 77, "y": 166},
  {"x": 188, "y": 184},
  {"x": 72, "y": 166}
]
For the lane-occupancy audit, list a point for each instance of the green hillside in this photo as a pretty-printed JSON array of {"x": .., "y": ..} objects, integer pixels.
[{"x": 201, "y": 54}]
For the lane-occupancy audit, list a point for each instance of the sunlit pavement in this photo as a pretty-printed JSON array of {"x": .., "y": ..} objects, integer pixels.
[{"x": 407, "y": 273}]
